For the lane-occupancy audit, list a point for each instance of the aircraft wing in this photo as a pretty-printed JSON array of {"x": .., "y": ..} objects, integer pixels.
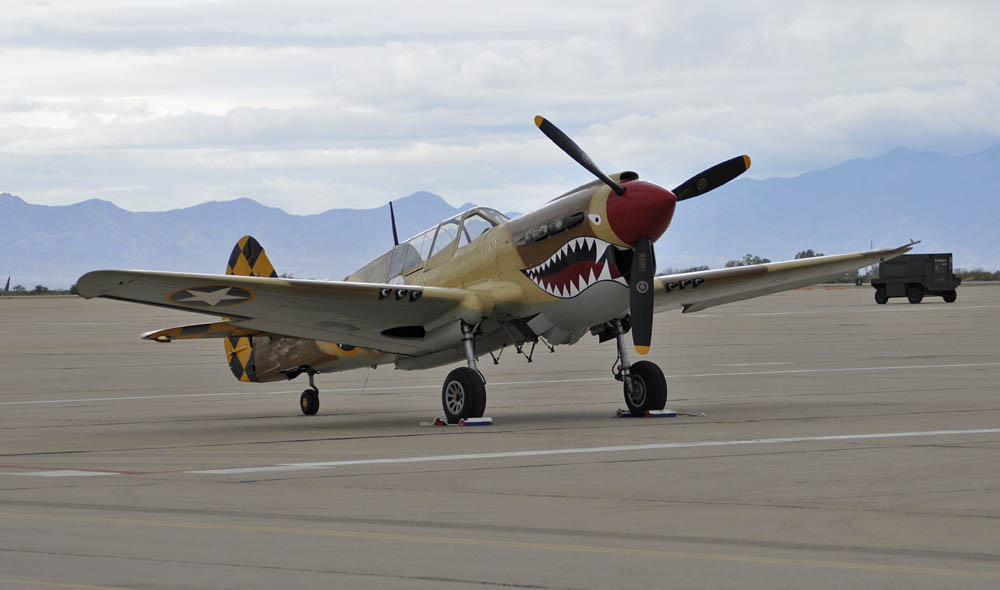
[
  {"x": 391, "y": 318},
  {"x": 695, "y": 291}
]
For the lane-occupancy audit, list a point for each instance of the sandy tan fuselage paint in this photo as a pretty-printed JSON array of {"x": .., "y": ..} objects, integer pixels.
[{"x": 490, "y": 267}]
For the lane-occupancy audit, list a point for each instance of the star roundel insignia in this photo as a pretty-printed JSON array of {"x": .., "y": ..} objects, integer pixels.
[
  {"x": 642, "y": 287},
  {"x": 211, "y": 296}
]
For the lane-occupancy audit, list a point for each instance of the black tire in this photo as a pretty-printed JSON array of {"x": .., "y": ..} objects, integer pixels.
[
  {"x": 880, "y": 297},
  {"x": 950, "y": 296},
  {"x": 649, "y": 389},
  {"x": 309, "y": 402},
  {"x": 915, "y": 295},
  {"x": 463, "y": 395}
]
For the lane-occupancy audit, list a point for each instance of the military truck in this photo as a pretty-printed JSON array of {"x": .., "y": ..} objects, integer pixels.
[{"x": 915, "y": 275}]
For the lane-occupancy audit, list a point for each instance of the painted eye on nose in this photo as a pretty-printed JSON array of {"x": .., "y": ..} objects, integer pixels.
[{"x": 595, "y": 218}]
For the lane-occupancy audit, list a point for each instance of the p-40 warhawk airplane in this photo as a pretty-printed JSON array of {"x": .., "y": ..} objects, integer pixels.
[{"x": 477, "y": 282}]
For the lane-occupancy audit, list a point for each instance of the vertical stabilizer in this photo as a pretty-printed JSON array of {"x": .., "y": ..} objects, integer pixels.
[{"x": 249, "y": 260}]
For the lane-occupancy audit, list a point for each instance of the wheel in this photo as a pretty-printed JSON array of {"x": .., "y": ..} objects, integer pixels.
[
  {"x": 463, "y": 395},
  {"x": 309, "y": 402},
  {"x": 649, "y": 388},
  {"x": 880, "y": 297},
  {"x": 915, "y": 295},
  {"x": 950, "y": 296}
]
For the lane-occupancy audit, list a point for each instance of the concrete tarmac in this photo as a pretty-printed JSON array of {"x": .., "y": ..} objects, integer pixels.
[{"x": 824, "y": 441}]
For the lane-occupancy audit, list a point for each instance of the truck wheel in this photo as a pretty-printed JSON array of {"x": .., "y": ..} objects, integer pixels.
[
  {"x": 880, "y": 296},
  {"x": 950, "y": 296},
  {"x": 915, "y": 295}
]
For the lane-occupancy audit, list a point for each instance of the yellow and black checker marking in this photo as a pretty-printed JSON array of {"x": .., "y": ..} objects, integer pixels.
[
  {"x": 239, "y": 354},
  {"x": 249, "y": 260}
]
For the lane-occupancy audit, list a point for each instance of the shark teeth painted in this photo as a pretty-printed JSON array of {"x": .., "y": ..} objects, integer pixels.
[{"x": 578, "y": 264}]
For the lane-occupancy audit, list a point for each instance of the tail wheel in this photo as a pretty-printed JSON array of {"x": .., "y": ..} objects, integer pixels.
[
  {"x": 880, "y": 296},
  {"x": 648, "y": 389},
  {"x": 950, "y": 296},
  {"x": 463, "y": 395},
  {"x": 309, "y": 402},
  {"x": 915, "y": 295}
]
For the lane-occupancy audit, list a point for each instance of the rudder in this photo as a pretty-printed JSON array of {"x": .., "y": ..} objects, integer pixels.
[{"x": 249, "y": 260}]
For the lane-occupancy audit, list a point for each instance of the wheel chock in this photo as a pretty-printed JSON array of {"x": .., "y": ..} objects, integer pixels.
[
  {"x": 649, "y": 414},
  {"x": 441, "y": 421},
  {"x": 484, "y": 421}
]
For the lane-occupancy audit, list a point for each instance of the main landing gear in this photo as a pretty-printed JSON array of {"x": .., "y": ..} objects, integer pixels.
[
  {"x": 464, "y": 392},
  {"x": 644, "y": 384},
  {"x": 309, "y": 400}
]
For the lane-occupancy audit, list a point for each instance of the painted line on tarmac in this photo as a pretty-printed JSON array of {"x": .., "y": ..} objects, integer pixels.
[
  {"x": 532, "y": 548},
  {"x": 27, "y": 582},
  {"x": 912, "y": 308},
  {"x": 880, "y": 309},
  {"x": 248, "y": 393},
  {"x": 495, "y": 383},
  {"x": 841, "y": 370},
  {"x": 751, "y": 364},
  {"x": 584, "y": 450},
  {"x": 63, "y": 473}
]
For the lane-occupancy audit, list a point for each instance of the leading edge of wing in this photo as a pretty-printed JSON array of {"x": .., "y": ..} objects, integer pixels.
[{"x": 695, "y": 291}]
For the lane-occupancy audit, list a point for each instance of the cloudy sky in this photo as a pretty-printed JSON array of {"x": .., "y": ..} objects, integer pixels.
[{"x": 311, "y": 105}]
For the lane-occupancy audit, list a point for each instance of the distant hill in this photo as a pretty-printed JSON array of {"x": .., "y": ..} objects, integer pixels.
[
  {"x": 948, "y": 202},
  {"x": 54, "y": 245}
]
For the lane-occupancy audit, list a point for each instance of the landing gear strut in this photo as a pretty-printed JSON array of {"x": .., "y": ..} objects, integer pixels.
[
  {"x": 464, "y": 392},
  {"x": 309, "y": 400},
  {"x": 645, "y": 386}
]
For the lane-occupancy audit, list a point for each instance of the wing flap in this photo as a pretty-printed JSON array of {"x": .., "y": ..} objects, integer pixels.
[
  {"x": 334, "y": 311},
  {"x": 696, "y": 291}
]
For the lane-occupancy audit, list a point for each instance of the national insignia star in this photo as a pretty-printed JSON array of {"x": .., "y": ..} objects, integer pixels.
[{"x": 211, "y": 298}]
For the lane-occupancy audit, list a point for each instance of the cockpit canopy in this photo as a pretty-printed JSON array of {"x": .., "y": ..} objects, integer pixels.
[{"x": 408, "y": 256}]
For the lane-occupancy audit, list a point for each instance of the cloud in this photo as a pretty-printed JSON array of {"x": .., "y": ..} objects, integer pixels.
[{"x": 311, "y": 106}]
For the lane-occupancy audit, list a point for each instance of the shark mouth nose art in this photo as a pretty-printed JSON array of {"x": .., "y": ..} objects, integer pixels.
[{"x": 580, "y": 263}]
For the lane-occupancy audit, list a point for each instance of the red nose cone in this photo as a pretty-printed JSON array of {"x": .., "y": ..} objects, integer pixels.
[{"x": 644, "y": 211}]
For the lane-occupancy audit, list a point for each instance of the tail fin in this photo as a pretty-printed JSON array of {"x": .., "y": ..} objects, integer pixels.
[{"x": 248, "y": 259}]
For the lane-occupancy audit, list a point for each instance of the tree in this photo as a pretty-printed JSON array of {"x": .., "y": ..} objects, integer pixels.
[
  {"x": 977, "y": 274},
  {"x": 73, "y": 290},
  {"x": 747, "y": 261},
  {"x": 676, "y": 271},
  {"x": 807, "y": 254},
  {"x": 19, "y": 290}
]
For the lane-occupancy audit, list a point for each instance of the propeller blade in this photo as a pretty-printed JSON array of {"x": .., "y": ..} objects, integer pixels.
[
  {"x": 574, "y": 151},
  {"x": 641, "y": 295},
  {"x": 712, "y": 178}
]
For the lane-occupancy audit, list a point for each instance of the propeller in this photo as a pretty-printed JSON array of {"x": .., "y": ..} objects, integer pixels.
[
  {"x": 576, "y": 152},
  {"x": 712, "y": 178},
  {"x": 640, "y": 294},
  {"x": 643, "y": 224}
]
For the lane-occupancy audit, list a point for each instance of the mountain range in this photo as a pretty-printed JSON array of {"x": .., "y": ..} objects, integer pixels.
[{"x": 948, "y": 202}]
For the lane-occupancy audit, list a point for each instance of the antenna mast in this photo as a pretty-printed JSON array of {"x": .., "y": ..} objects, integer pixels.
[{"x": 392, "y": 217}]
